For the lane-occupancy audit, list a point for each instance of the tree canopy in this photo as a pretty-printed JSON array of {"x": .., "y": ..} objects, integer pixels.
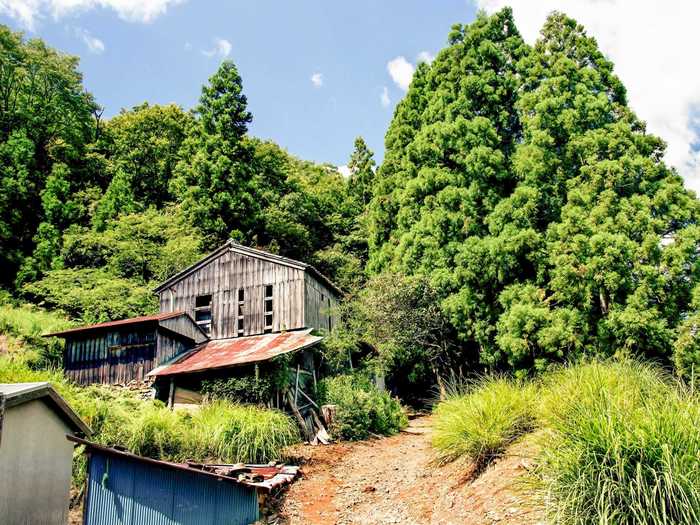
[{"x": 519, "y": 181}]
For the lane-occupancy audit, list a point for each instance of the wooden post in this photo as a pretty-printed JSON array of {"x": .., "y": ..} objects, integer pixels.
[
  {"x": 171, "y": 393},
  {"x": 296, "y": 388}
]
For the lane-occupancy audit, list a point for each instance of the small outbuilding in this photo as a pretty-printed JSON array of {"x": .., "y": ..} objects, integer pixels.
[
  {"x": 128, "y": 489},
  {"x": 35, "y": 457}
]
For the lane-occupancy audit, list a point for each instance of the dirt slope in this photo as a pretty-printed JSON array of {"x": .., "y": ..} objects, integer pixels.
[{"x": 392, "y": 480}]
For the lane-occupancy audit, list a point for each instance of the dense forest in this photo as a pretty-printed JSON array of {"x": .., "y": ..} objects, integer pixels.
[{"x": 522, "y": 216}]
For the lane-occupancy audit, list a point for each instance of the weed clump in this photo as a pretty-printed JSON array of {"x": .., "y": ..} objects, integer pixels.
[{"x": 482, "y": 423}]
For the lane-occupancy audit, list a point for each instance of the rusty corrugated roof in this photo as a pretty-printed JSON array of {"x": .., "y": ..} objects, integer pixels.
[
  {"x": 121, "y": 322},
  {"x": 224, "y": 353}
]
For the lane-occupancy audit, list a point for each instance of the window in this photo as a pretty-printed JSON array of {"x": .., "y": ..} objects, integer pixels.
[
  {"x": 268, "y": 308},
  {"x": 240, "y": 328},
  {"x": 202, "y": 312}
]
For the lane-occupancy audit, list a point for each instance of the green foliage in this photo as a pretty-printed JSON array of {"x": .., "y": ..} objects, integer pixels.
[
  {"x": 244, "y": 389},
  {"x": 45, "y": 121},
  {"x": 621, "y": 446},
  {"x": 110, "y": 274},
  {"x": 362, "y": 409},
  {"x": 617, "y": 440},
  {"x": 142, "y": 147},
  {"x": 91, "y": 295},
  {"x": 400, "y": 317},
  {"x": 519, "y": 182},
  {"x": 27, "y": 323},
  {"x": 481, "y": 424}
]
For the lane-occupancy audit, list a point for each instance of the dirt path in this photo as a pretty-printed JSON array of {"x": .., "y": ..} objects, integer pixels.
[{"x": 392, "y": 480}]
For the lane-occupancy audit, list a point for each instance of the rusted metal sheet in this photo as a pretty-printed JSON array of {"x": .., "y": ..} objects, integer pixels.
[
  {"x": 224, "y": 353},
  {"x": 122, "y": 322}
]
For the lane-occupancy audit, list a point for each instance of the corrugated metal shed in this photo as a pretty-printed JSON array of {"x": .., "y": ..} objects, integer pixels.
[
  {"x": 125, "y": 489},
  {"x": 224, "y": 353}
]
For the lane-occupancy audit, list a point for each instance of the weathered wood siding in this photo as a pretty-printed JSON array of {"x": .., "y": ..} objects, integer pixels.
[
  {"x": 120, "y": 356},
  {"x": 170, "y": 345},
  {"x": 320, "y": 305},
  {"x": 113, "y": 357},
  {"x": 185, "y": 326},
  {"x": 223, "y": 276}
]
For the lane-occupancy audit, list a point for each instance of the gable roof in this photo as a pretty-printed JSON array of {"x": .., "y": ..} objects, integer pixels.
[
  {"x": 19, "y": 393},
  {"x": 144, "y": 319},
  {"x": 251, "y": 252}
]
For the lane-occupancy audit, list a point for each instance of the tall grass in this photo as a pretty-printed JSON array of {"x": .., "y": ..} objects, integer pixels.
[
  {"x": 219, "y": 431},
  {"x": 621, "y": 446},
  {"x": 481, "y": 424}
]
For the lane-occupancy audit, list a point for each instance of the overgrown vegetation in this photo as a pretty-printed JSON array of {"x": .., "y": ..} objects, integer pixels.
[
  {"x": 23, "y": 326},
  {"x": 362, "y": 410},
  {"x": 481, "y": 424},
  {"x": 221, "y": 431},
  {"x": 617, "y": 440}
]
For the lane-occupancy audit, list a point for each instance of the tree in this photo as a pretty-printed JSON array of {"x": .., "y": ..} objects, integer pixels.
[
  {"x": 400, "y": 318},
  {"x": 142, "y": 147},
  {"x": 45, "y": 119},
  {"x": 213, "y": 179},
  {"x": 362, "y": 168},
  {"x": 521, "y": 184}
]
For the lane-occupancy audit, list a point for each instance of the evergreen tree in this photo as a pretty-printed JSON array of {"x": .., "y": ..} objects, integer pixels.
[
  {"x": 521, "y": 183},
  {"x": 213, "y": 177},
  {"x": 362, "y": 168}
]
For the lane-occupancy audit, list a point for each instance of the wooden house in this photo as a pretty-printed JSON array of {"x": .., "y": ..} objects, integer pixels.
[{"x": 237, "y": 306}]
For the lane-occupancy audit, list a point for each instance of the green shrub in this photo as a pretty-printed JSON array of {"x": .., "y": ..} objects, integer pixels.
[
  {"x": 621, "y": 446},
  {"x": 362, "y": 409},
  {"x": 246, "y": 389},
  {"x": 481, "y": 424}
]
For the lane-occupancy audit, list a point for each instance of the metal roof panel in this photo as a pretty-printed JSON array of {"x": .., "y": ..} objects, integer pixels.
[{"x": 224, "y": 353}]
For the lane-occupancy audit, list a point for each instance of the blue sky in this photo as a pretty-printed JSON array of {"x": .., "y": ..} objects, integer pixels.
[{"x": 162, "y": 51}]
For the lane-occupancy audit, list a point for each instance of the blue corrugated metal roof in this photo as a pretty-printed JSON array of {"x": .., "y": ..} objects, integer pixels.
[{"x": 122, "y": 491}]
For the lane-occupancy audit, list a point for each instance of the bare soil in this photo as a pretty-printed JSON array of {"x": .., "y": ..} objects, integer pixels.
[{"x": 395, "y": 480}]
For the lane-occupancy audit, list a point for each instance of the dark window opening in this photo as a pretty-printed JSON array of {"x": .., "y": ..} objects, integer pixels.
[
  {"x": 240, "y": 327},
  {"x": 330, "y": 316},
  {"x": 268, "y": 309},
  {"x": 202, "y": 312}
]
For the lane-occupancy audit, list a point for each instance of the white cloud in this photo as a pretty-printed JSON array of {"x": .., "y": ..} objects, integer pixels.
[
  {"x": 188, "y": 46},
  {"x": 94, "y": 44},
  {"x": 384, "y": 97},
  {"x": 425, "y": 56},
  {"x": 654, "y": 47},
  {"x": 317, "y": 80},
  {"x": 222, "y": 48},
  {"x": 401, "y": 71},
  {"x": 344, "y": 171},
  {"x": 29, "y": 12}
]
